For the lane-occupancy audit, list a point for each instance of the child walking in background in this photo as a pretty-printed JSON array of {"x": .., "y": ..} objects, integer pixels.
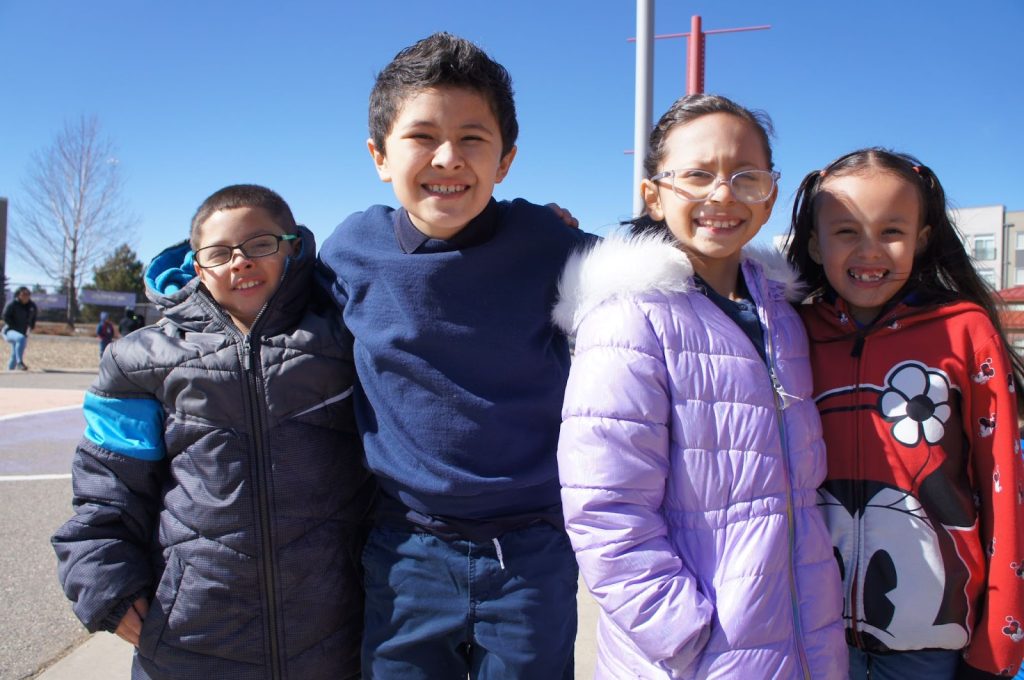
[
  {"x": 690, "y": 450},
  {"x": 219, "y": 489},
  {"x": 104, "y": 332},
  {"x": 917, "y": 396}
]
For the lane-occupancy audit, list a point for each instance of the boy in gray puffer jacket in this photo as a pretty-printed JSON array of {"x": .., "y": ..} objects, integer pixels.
[{"x": 219, "y": 489}]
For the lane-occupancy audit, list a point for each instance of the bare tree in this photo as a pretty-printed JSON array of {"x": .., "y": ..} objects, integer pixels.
[{"x": 73, "y": 213}]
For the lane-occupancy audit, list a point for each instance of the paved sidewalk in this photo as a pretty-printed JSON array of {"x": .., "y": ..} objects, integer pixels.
[{"x": 102, "y": 657}]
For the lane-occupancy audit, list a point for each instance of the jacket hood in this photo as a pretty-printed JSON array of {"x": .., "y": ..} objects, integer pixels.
[
  {"x": 829, "y": 318},
  {"x": 172, "y": 284},
  {"x": 626, "y": 266}
]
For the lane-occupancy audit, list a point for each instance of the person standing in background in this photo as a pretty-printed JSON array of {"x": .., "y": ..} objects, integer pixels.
[
  {"x": 19, "y": 319},
  {"x": 105, "y": 331}
]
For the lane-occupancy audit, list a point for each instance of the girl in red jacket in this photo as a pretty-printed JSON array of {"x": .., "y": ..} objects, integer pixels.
[{"x": 916, "y": 390}]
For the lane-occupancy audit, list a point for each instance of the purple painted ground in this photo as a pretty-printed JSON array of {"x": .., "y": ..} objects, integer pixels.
[{"x": 40, "y": 444}]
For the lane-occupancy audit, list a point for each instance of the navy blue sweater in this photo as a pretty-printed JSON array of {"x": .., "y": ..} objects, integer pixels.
[{"x": 462, "y": 373}]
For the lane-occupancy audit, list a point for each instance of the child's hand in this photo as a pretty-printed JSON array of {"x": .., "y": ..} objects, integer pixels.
[
  {"x": 564, "y": 215},
  {"x": 131, "y": 624}
]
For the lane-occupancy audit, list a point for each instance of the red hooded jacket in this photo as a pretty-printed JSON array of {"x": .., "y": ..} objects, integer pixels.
[{"x": 925, "y": 481}]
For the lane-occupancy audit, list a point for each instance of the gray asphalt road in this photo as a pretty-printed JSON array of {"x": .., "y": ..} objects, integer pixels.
[{"x": 36, "y": 623}]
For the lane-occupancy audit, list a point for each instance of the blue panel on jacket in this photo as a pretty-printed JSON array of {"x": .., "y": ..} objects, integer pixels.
[{"x": 130, "y": 427}]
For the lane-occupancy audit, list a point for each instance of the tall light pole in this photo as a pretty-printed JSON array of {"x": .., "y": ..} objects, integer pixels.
[
  {"x": 644, "y": 102},
  {"x": 3, "y": 251}
]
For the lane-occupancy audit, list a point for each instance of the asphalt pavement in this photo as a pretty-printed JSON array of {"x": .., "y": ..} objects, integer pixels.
[{"x": 40, "y": 639}]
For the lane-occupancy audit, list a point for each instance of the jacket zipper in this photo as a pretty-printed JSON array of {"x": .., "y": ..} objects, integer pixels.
[
  {"x": 249, "y": 354},
  {"x": 255, "y": 421},
  {"x": 255, "y": 409},
  {"x": 779, "y": 395},
  {"x": 857, "y": 353}
]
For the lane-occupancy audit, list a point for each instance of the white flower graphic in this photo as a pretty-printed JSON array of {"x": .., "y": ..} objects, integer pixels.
[{"x": 917, "y": 400}]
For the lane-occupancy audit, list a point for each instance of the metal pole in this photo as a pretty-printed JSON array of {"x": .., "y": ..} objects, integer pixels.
[
  {"x": 644, "y": 104},
  {"x": 3, "y": 251},
  {"x": 695, "y": 58}
]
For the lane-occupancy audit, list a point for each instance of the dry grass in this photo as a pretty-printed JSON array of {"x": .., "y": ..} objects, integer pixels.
[{"x": 56, "y": 352}]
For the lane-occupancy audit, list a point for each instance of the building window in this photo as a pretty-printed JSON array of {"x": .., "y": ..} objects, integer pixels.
[
  {"x": 984, "y": 248},
  {"x": 1020, "y": 240},
  {"x": 1018, "y": 277},
  {"x": 987, "y": 275}
]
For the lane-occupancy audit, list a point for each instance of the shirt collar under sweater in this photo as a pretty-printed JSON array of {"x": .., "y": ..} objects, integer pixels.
[{"x": 413, "y": 241}]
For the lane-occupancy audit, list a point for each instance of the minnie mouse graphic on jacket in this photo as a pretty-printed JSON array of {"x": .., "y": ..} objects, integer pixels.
[{"x": 920, "y": 423}]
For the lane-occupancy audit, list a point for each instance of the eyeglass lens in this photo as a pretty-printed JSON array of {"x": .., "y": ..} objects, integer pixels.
[
  {"x": 748, "y": 186},
  {"x": 257, "y": 246}
]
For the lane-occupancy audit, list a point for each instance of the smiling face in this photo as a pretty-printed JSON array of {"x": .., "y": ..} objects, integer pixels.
[
  {"x": 867, "y": 232},
  {"x": 443, "y": 157},
  {"x": 242, "y": 285},
  {"x": 713, "y": 231}
]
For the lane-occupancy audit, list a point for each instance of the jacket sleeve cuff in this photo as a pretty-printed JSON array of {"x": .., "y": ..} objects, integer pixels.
[
  {"x": 114, "y": 616},
  {"x": 680, "y": 665}
]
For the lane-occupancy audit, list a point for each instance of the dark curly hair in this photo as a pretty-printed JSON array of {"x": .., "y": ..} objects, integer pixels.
[{"x": 442, "y": 60}]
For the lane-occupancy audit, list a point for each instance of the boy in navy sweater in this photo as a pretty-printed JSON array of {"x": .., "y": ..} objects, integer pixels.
[{"x": 468, "y": 570}]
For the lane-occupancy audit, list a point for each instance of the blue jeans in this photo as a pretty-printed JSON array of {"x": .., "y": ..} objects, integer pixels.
[
  {"x": 439, "y": 609},
  {"x": 18, "y": 342},
  {"x": 926, "y": 664}
]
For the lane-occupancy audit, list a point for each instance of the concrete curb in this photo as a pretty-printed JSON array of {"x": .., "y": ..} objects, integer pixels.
[{"x": 102, "y": 656}]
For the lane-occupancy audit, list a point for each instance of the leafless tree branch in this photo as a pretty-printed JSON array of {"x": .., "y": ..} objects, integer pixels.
[{"x": 73, "y": 213}]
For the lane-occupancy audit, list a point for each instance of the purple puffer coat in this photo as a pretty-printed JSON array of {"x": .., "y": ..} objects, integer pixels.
[{"x": 688, "y": 481}]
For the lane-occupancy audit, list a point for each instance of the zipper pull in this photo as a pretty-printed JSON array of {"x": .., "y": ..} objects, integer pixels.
[
  {"x": 858, "y": 346},
  {"x": 786, "y": 398},
  {"x": 247, "y": 354}
]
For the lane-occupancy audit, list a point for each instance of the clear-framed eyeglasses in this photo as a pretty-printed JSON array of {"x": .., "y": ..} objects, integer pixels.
[
  {"x": 252, "y": 248},
  {"x": 748, "y": 186}
]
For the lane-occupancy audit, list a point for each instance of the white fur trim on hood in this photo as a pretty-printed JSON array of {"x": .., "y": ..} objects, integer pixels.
[{"x": 625, "y": 266}]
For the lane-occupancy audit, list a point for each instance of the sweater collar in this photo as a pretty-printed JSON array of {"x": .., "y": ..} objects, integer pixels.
[{"x": 413, "y": 241}]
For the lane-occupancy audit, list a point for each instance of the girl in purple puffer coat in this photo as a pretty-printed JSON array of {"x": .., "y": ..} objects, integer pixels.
[{"x": 690, "y": 450}]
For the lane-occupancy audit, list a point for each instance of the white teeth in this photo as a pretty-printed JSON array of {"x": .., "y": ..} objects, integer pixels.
[
  {"x": 867, "y": 277},
  {"x": 719, "y": 224},
  {"x": 446, "y": 188},
  {"x": 247, "y": 284}
]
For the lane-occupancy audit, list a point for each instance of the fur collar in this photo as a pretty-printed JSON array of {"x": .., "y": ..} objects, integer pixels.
[{"x": 626, "y": 266}]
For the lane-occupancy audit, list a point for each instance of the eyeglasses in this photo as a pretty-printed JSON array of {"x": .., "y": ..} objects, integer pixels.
[
  {"x": 748, "y": 186},
  {"x": 252, "y": 248}
]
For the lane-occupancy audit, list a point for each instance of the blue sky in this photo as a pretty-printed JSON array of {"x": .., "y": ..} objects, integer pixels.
[{"x": 200, "y": 94}]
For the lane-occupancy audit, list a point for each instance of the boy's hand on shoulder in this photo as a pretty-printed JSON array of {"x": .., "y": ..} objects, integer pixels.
[
  {"x": 130, "y": 627},
  {"x": 564, "y": 215}
]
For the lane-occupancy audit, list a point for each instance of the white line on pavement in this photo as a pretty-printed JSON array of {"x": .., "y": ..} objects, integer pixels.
[
  {"x": 32, "y": 478},
  {"x": 36, "y": 413}
]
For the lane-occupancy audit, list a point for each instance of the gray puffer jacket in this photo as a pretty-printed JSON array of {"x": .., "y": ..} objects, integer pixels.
[{"x": 220, "y": 476}]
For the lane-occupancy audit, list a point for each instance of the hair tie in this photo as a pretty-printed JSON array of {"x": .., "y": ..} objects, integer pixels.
[
  {"x": 917, "y": 168},
  {"x": 821, "y": 173}
]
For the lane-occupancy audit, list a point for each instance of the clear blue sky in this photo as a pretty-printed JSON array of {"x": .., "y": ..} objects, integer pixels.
[{"x": 200, "y": 94}]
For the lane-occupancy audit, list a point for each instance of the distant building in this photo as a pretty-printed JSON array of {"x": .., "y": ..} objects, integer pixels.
[
  {"x": 1012, "y": 316},
  {"x": 1013, "y": 257},
  {"x": 983, "y": 231}
]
